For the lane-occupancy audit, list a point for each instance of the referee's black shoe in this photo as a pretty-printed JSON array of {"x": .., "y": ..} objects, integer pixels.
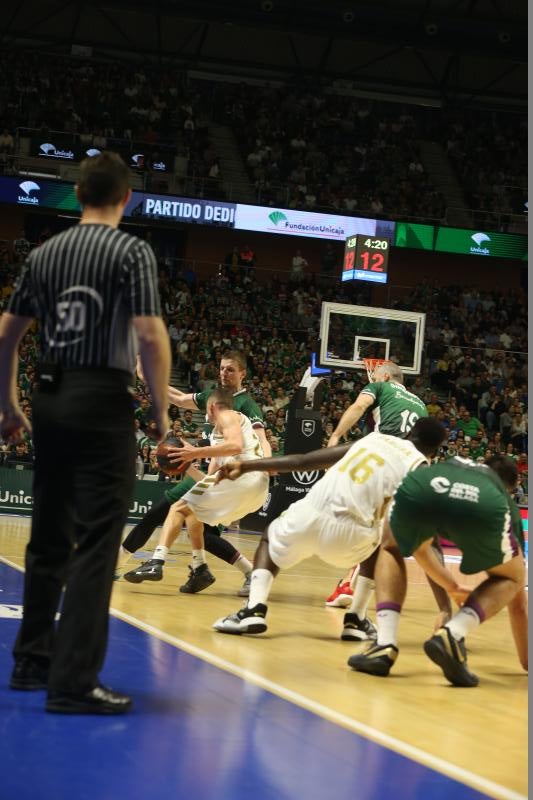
[
  {"x": 28, "y": 675},
  {"x": 148, "y": 571},
  {"x": 199, "y": 579},
  {"x": 99, "y": 700}
]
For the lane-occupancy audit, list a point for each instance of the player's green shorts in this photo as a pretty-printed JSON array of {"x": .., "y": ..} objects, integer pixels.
[
  {"x": 462, "y": 506},
  {"x": 177, "y": 490}
]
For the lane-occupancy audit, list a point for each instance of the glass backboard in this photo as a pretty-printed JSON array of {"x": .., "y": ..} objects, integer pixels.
[{"x": 350, "y": 333}]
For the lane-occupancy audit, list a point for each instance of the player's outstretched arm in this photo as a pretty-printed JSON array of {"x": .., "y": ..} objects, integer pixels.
[
  {"x": 441, "y": 596},
  {"x": 352, "y": 415},
  {"x": 180, "y": 399},
  {"x": 518, "y": 617},
  {"x": 427, "y": 558},
  {"x": 316, "y": 459}
]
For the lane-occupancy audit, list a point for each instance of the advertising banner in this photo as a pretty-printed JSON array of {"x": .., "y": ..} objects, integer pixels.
[
  {"x": 137, "y": 156},
  {"x": 59, "y": 195},
  {"x": 181, "y": 209},
  {"x": 419, "y": 237},
  {"x": 37, "y": 192},
  {"x": 481, "y": 243},
  {"x": 16, "y": 494},
  {"x": 290, "y": 222}
]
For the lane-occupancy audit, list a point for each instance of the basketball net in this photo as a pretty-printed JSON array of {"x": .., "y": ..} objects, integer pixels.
[{"x": 371, "y": 365}]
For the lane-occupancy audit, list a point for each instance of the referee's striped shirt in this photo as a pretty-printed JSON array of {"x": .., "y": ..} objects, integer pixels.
[{"x": 84, "y": 286}]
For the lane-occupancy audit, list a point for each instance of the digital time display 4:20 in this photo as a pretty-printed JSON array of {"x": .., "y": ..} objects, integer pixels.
[{"x": 366, "y": 258}]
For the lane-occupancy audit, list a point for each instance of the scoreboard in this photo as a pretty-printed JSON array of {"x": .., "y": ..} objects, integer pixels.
[{"x": 366, "y": 258}]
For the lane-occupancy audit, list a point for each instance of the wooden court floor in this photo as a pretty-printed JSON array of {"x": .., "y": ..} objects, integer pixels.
[{"x": 478, "y": 736}]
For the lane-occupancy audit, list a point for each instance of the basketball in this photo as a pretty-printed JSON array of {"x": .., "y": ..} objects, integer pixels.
[{"x": 166, "y": 466}]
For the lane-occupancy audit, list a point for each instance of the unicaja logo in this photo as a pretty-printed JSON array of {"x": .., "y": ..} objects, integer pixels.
[
  {"x": 277, "y": 216},
  {"x": 50, "y": 151},
  {"x": 27, "y": 188},
  {"x": 479, "y": 238},
  {"x": 92, "y": 152}
]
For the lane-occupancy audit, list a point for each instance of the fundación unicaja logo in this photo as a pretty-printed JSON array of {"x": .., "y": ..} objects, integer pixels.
[
  {"x": 479, "y": 239},
  {"x": 27, "y": 187},
  {"x": 276, "y": 217}
]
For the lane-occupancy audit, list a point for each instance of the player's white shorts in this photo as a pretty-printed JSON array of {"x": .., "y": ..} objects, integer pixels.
[
  {"x": 221, "y": 503},
  {"x": 303, "y": 530}
]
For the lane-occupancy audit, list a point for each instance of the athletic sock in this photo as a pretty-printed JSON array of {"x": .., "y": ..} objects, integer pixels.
[
  {"x": 260, "y": 586},
  {"x": 361, "y": 596},
  {"x": 388, "y": 616},
  {"x": 462, "y": 623},
  {"x": 198, "y": 558},
  {"x": 352, "y": 576},
  {"x": 243, "y": 565},
  {"x": 123, "y": 557},
  {"x": 160, "y": 553}
]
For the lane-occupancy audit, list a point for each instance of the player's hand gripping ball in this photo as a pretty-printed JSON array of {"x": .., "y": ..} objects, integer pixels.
[{"x": 165, "y": 464}]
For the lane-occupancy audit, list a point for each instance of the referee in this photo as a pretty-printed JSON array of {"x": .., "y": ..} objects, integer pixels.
[{"x": 93, "y": 290}]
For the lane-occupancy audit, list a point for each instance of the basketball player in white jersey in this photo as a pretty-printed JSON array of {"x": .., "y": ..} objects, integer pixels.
[
  {"x": 212, "y": 502},
  {"x": 340, "y": 519}
]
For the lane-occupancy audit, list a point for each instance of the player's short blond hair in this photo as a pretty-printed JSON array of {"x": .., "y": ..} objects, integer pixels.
[{"x": 392, "y": 369}]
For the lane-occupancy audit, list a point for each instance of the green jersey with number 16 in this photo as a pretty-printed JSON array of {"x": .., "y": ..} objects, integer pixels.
[{"x": 395, "y": 410}]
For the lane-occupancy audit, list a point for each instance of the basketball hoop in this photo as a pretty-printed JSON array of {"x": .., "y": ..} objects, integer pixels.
[{"x": 371, "y": 365}]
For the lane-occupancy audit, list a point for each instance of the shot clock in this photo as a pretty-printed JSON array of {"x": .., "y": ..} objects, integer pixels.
[{"x": 366, "y": 258}]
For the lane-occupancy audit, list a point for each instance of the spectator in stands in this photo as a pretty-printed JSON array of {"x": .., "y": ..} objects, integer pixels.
[
  {"x": 433, "y": 407},
  {"x": 419, "y": 388},
  {"x": 328, "y": 259},
  {"x": 247, "y": 261},
  {"x": 273, "y": 440},
  {"x": 189, "y": 426},
  {"x": 298, "y": 266},
  {"x": 281, "y": 400},
  {"x": 469, "y": 425},
  {"x": 207, "y": 375},
  {"x": 494, "y": 411},
  {"x": 19, "y": 457},
  {"x": 519, "y": 432},
  {"x": 7, "y": 143},
  {"x": 506, "y": 423},
  {"x": 232, "y": 263},
  {"x": 145, "y": 453}
]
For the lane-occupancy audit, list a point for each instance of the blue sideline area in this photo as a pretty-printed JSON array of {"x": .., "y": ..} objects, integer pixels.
[{"x": 196, "y": 731}]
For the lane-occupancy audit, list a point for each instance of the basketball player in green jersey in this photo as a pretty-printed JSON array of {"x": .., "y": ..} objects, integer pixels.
[
  {"x": 394, "y": 411},
  {"x": 231, "y": 376},
  {"x": 471, "y": 505}
]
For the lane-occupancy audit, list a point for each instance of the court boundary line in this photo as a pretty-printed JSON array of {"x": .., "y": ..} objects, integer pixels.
[{"x": 366, "y": 731}]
